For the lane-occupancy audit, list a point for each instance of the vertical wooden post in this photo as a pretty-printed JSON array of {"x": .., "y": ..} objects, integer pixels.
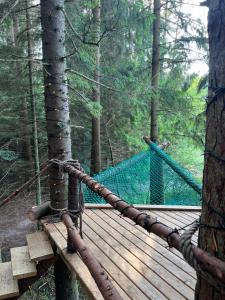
[
  {"x": 73, "y": 205},
  {"x": 65, "y": 283}
]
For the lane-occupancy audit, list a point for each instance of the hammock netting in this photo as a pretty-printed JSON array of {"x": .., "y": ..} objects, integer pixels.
[{"x": 149, "y": 177}]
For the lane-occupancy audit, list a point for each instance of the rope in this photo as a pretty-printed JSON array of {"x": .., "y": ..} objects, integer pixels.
[{"x": 187, "y": 251}]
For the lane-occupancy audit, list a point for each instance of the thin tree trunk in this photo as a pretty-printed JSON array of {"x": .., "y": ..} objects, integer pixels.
[
  {"x": 155, "y": 70},
  {"x": 58, "y": 121},
  {"x": 96, "y": 132},
  {"x": 33, "y": 105},
  {"x": 213, "y": 240},
  {"x": 156, "y": 168},
  {"x": 25, "y": 134}
]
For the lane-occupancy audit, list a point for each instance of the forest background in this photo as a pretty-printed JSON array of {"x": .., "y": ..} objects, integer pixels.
[{"x": 123, "y": 35}]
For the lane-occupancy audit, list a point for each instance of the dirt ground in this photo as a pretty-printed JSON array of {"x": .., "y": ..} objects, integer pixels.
[{"x": 14, "y": 224}]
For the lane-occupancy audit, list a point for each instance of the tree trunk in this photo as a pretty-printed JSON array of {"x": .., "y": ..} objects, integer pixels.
[
  {"x": 212, "y": 240},
  {"x": 96, "y": 142},
  {"x": 56, "y": 95},
  {"x": 58, "y": 121},
  {"x": 155, "y": 70},
  {"x": 156, "y": 168},
  {"x": 33, "y": 105},
  {"x": 25, "y": 134}
]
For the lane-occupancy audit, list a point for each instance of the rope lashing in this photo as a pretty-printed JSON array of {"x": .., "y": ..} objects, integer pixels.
[
  {"x": 188, "y": 254},
  {"x": 186, "y": 245}
]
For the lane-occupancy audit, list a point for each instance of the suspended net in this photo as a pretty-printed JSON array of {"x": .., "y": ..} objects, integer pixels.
[{"x": 150, "y": 177}]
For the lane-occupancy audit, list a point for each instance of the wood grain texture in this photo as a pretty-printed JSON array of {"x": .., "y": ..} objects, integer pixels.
[
  {"x": 139, "y": 264},
  {"x": 58, "y": 234},
  {"x": 22, "y": 267},
  {"x": 39, "y": 246},
  {"x": 8, "y": 285}
]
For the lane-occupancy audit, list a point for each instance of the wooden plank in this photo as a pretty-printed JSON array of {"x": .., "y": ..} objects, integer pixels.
[
  {"x": 148, "y": 207},
  {"x": 73, "y": 266},
  {"x": 162, "y": 256},
  {"x": 168, "y": 272},
  {"x": 116, "y": 274},
  {"x": 193, "y": 214},
  {"x": 73, "y": 261},
  {"x": 8, "y": 286},
  {"x": 22, "y": 267},
  {"x": 55, "y": 235},
  {"x": 148, "y": 238},
  {"x": 39, "y": 246},
  {"x": 173, "y": 222},
  {"x": 116, "y": 254},
  {"x": 183, "y": 215}
]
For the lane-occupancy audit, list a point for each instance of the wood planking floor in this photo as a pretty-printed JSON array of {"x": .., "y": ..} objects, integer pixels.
[
  {"x": 140, "y": 264},
  {"x": 164, "y": 269}
]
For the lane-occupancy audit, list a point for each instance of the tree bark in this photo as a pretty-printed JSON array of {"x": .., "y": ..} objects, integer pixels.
[
  {"x": 156, "y": 167},
  {"x": 56, "y": 95},
  {"x": 155, "y": 70},
  {"x": 25, "y": 134},
  {"x": 211, "y": 240},
  {"x": 58, "y": 121},
  {"x": 96, "y": 128},
  {"x": 33, "y": 105}
]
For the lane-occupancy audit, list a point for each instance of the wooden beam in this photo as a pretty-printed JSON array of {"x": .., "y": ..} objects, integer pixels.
[
  {"x": 37, "y": 212},
  {"x": 149, "y": 207}
]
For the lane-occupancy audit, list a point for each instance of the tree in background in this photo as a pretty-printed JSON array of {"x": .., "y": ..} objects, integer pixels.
[
  {"x": 96, "y": 127},
  {"x": 126, "y": 56},
  {"x": 211, "y": 239},
  {"x": 30, "y": 55},
  {"x": 155, "y": 70}
]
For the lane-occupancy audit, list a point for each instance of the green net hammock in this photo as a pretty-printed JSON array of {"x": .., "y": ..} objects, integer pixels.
[{"x": 150, "y": 177}]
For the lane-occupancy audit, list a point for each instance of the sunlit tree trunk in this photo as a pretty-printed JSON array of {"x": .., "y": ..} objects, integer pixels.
[
  {"x": 96, "y": 128},
  {"x": 211, "y": 240}
]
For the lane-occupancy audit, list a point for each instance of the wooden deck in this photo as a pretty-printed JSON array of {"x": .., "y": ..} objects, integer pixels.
[{"x": 139, "y": 264}]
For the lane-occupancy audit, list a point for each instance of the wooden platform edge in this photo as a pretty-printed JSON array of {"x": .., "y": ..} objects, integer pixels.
[
  {"x": 149, "y": 207},
  {"x": 73, "y": 261}
]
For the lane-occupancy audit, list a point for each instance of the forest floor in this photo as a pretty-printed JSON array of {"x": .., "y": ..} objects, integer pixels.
[{"x": 14, "y": 225}]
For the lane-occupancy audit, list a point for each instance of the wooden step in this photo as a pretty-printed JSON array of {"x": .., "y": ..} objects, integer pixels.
[
  {"x": 8, "y": 286},
  {"x": 39, "y": 246},
  {"x": 22, "y": 267}
]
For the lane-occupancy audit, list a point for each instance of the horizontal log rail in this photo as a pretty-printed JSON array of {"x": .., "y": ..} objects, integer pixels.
[
  {"x": 208, "y": 263},
  {"x": 101, "y": 278}
]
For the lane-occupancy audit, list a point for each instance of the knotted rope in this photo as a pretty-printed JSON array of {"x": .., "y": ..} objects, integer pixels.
[{"x": 188, "y": 254}]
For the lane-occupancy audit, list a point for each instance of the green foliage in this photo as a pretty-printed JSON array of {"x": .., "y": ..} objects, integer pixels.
[
  {"x": 126, "y": 50},
  {"x": 7, "y": 155}
]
